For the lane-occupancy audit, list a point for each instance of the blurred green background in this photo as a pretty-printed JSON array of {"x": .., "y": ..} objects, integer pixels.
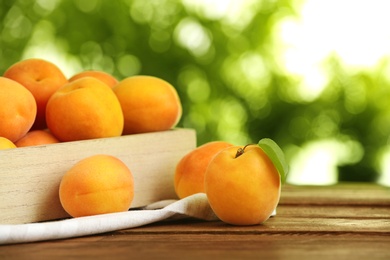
[{"x": 312, "y": 75}]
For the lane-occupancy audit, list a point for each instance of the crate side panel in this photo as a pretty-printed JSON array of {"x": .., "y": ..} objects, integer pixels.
[{"x": 30, "y": 177}]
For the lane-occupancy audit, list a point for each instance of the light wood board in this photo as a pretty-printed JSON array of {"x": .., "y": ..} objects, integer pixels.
[{"x": 30, "y": 176}]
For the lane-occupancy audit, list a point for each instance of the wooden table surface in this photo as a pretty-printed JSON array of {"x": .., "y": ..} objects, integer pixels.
[{"x": 345, "y": 221}]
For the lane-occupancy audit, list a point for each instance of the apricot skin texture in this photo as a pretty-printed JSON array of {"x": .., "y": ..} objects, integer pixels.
[
  {"x": 190, "y": 171},
  {"x": 18, "y": 109},
  {"x": 42, "y": 78},
  {"x": 6, "y": 143},
  {"x": 243, "y": 190},
  {"x": 84, "y": 109},
  {"x": 97, "y": 185},
  {"x": 149, "y": 104}
]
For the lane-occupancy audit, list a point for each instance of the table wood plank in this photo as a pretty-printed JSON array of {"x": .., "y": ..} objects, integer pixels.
[
  {"x": 334, "y": 211},
  {"x": 119, "y": 245},
  {"x": 339, "y": 194},
  {"x": 346, "y": 221}
]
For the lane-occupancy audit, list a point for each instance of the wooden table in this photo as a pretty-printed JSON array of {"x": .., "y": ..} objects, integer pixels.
[{"x": 346, "y": 221}]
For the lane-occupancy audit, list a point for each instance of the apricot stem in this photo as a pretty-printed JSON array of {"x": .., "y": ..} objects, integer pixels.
[{"x": 241, "y": 151}]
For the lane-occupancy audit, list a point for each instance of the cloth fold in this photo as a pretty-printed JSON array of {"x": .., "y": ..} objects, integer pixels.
[{"x": 195, "y": 206}]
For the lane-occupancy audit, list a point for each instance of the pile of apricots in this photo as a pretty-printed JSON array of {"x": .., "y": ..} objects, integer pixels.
[{"x": 41, "y": 106}]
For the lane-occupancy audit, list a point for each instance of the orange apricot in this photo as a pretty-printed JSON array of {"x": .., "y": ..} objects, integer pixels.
[
  {"x": 18, "y": 109},
  {"x": 190, "y": 171},
  {"x": 110, "y": 80},
  {"x": 84, "y": 109},
  {"x": 148, "y": 103},
  {"x": 37, "y": 137},
  {"x": 242, "y": 190},
  {"x": 95, "y": 185},
  {"x": 6, "y": 143},
  {"x": 42, "y": 78}
]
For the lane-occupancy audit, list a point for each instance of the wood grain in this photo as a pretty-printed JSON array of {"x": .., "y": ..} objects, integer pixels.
[
  {"x": 353, "y": 229},
  {"x": 340, "y": 194},
  {"x": 207, "y": 246},
  {"x": 30, "y": 177}
]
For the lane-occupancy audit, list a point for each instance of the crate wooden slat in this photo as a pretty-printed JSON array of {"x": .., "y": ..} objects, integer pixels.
[{"x": 30, "y": 177}]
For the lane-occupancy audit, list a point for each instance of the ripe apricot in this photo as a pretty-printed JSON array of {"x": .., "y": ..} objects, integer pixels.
[
  {"x": 149, "y": 104},
  {"x": 97, "y": 184},
  {"x": 6, "y": 143},
  {"x": 84, "y": 109},
  {"x": 18, "y": 109},
  {"x": 242, "y": 190},
  {"x": 190, "y": 171},
  {"x": 42, "y": 78},
  {"x": 36, "y": 137},
  {"x": 110, "y": 80}
]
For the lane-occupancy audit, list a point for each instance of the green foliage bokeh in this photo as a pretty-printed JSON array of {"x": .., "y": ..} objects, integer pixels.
[{"x": 229, "y": 81}]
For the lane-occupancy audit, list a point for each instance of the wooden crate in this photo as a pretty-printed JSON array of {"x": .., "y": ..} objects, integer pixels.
[{"x": 30, "y": 177}]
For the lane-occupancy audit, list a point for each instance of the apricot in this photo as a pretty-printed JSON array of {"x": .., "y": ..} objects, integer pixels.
[
  {"x": 18, "y": 109},
  {"x": 36, "y": 137},
  {"x": 242, "y": 190},
  {"x": 149, "y": 104},
  {"x": 84, "y": 109},
  {"x": 190, "y": 170},
  {"x": 6, "y": 143},
  {"x": 42, "y": 78},
  {"x": 95, "y": 185},
  {"x": 110, "y": 80}
]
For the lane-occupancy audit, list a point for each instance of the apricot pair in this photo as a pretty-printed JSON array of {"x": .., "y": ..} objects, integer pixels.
[
  {"x": 86, "y": 108},
  {"x": 242, "y": 184},
  {"x": 148, "y": 103}
]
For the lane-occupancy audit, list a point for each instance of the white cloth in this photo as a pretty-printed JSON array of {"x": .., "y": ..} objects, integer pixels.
[{"x": 195, "y": 206}]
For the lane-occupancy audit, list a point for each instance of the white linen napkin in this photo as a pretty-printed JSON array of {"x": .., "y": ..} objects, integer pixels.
[{"x": 195, "y": 206}]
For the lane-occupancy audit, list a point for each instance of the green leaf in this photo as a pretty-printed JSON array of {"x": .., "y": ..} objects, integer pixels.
[{"x": 276, "y": 155}]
